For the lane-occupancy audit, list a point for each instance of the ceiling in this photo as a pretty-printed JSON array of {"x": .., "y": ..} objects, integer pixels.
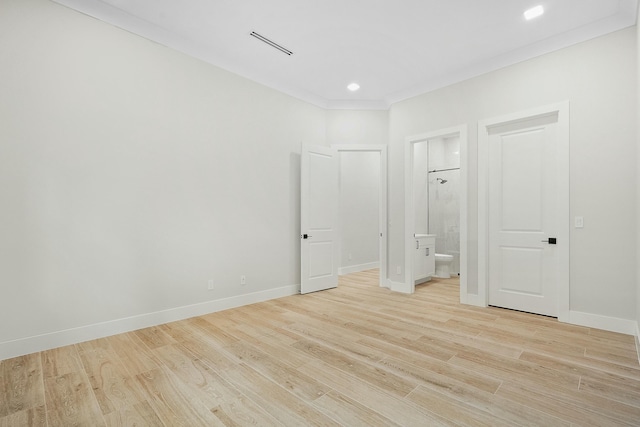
[{"x": 393, "y": 49}]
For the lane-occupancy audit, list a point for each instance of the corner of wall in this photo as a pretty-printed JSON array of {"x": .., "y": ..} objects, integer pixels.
[
  {"x": 400, "y": 287},
  {"x": 606, "y": 323}
]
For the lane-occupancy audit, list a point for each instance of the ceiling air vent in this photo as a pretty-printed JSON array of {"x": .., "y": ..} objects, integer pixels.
[{"x": 271, "y": 43}]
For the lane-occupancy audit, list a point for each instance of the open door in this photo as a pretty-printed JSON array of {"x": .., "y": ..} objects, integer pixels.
[{"x": 319, "y": 219}]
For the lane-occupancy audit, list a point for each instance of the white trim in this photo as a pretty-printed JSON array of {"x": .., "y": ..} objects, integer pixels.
[
  {"x": 357, "y": 268},
  {"x": 464, "y": 197},
  {"x": 354, "y": 104},
  {"x": 382, "y": 149},
  {"x": 562, "y": 109},
  {"x": 472, "y": 299},
  {"x": 409, "y": 208},
  {"x": 638, "y": 340},
  {"x": 20, "y": 347},
  {"x": 400, "y": 287},
  {"x": 597, "y": 321}
]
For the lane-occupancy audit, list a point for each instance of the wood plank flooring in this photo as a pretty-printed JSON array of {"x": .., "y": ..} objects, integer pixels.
[{"x": 357, "y": 355}]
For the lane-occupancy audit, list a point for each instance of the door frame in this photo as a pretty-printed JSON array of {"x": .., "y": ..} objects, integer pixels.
[
  {"x": 382, "y": 202},
  {"x": 563, "y": 203},
  {"x": 408, "y": 286}
]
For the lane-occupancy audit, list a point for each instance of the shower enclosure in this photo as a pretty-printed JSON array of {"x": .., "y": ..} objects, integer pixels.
[{"x": 443, "y": 188}]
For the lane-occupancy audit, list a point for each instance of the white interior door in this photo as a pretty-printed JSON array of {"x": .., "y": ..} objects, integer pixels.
[
  {"x": 319, "y": 219},
  {"x": 526, "y": 214}
]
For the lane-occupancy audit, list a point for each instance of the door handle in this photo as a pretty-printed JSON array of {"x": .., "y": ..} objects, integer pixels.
[{"x": 551, "y": 241}]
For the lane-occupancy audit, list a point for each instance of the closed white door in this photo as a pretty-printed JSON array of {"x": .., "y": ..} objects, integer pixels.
[
  {"x": 526, "y": 214},
  {"x": 319, "y": 219}
]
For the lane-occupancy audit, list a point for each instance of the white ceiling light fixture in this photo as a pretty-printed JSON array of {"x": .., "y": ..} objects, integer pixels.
[
  {"x": 534, "y": 12},
  {"x": 353, "y": 87}
]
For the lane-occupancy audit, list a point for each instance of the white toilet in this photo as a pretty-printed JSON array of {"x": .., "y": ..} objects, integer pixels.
[{"x": 443, "y": 266}]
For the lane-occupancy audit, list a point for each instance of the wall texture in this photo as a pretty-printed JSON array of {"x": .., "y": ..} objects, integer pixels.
[
  {"x": 131, "y": 174},
  {"x": 598, "y": 78}
]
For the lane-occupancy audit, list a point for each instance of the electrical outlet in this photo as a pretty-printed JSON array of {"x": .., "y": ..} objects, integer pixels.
[
  {"x": 243, "y": 280},
  {"x": 398, "y": 270},
  {"x": 210, "y": 284}
]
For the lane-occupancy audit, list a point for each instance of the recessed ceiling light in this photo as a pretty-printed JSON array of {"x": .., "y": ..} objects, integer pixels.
[
  {"x": 353, "y": 87},
  {"x": 534, "y": 12}
]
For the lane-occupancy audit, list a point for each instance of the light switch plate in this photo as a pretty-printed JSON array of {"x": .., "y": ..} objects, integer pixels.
[{"x": 579, "y": 222}]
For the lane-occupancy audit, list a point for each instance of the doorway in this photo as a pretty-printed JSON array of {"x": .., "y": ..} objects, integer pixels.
[
  {"x": 415, "y": 164},
  {"x": 363, "y": 185},
  {"x": 523, "y": 201},
  {"x": 319, "y": 215}
]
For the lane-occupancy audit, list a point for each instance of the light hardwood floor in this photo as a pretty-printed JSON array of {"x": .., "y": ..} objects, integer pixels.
[{"x": 357, "y": 355}]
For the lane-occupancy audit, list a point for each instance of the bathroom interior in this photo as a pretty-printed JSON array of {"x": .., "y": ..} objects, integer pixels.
[{"x": 437, "y": 204}]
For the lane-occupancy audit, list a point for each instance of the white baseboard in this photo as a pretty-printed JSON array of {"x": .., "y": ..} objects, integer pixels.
[
  {"x": 358, "y": 268},
  {"x": 472, "y": 299},
  {"x": 20, "y": 347},
  {"x": 400, "y": 287},
  {"x": 613, "y": 324},
  {"x": 638, "y": 340}
]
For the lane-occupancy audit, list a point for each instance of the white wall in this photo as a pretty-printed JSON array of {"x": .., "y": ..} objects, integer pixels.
[
  {"x": 359, "y": 210},
  {"x": 131, "y": 174},
  {"x": 357, "y": 127},
  {"x": 359, "y": 170},
  {"x": 598, "y": 77},
  {"x": 420, "y": 195}
]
